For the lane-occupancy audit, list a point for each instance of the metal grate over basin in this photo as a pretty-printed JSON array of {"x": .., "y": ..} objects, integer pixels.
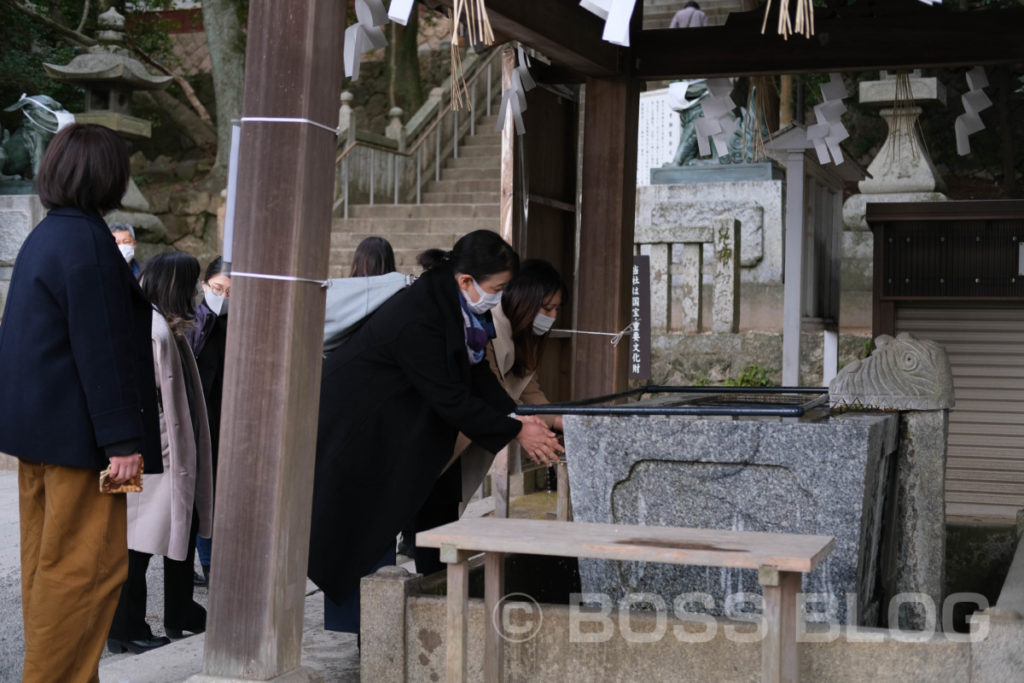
[{"x": 699, "y": 401}]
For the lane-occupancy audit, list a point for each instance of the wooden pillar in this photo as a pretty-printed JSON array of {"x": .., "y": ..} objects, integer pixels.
[
  {"x": 272, "y": 376},
  {"x": 508, "y": 207},
  {"x": 793, "y": 274},
  {"x": 607, "y": 204}
]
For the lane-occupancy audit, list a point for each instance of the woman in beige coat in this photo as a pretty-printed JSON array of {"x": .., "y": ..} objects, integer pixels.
[
  {"x": 174, "y": 506},
  {"x": 528, "y": 309}
]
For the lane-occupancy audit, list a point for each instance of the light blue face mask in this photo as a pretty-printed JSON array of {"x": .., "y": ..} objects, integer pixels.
[
  {"x": 217, "y": 302},
  {"x": 486, "y": 302},
  {"x": 542, "y": 323}
]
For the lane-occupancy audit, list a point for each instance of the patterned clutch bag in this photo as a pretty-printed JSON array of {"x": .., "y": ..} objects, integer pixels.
[{"x": 133, "y": 485}]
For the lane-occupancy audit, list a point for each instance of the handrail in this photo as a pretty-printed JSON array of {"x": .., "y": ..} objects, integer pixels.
[
  {"x": 391, "y": 168},
  {"x": 442, "y": 110}
]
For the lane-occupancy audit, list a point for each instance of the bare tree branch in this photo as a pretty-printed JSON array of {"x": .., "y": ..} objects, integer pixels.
[
  {"x": 85, "y": 15},
  {"x": 190, "y": 93},
  {"x": 68, "y": 34}
]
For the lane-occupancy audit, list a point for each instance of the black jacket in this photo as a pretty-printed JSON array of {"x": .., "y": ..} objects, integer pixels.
[
  {"x": 76, "y": 360},
  {"x": 393, "y": 398}
]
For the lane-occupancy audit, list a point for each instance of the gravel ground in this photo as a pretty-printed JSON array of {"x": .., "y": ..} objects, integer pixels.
[{"x": 12, "y": 642}]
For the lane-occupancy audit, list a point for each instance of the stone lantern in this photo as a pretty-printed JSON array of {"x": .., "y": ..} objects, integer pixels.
[{"x": 109, "y": 74}]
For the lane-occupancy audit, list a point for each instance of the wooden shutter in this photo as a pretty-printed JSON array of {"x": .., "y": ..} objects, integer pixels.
[{"x": 985, "y": 344}]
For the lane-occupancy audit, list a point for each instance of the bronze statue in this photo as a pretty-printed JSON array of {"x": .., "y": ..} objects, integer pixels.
[{"x": 22, "y": 151}]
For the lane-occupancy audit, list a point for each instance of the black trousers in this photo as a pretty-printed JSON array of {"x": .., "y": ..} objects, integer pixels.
[
  {"x": 180, "y": 610},
  {"x": 441, "y": 507}
]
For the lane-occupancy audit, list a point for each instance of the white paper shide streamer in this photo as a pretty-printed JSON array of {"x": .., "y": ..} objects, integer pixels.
[
  {"x": 975, "y": 101},
  {"x": 616, "y": 14},
  {"x": 400, "y": 11},
  {"x": 829, "y": 131},
  {"x": 716, "y": 125},
  {"x": 364, "y": 35},
  {"x": 514, "y": 98}
]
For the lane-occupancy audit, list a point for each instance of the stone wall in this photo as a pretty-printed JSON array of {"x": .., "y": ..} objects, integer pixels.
[
  {"x": 712, "y": 358},
  {"x": 191, "y": 215}
]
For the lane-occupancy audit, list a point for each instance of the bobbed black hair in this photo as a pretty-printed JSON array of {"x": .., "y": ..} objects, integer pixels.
[
  {"x": 169, "y": 281},
  {"x": 480, "y": 254},
  {"x": 85, "y": 167}
]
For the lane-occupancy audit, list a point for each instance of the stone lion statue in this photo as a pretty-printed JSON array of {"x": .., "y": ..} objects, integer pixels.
[{"x": 21, "y": 152}]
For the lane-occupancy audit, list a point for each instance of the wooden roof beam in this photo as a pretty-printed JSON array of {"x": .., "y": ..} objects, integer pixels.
[
  {"x": 839, "y": 44},
  {"x": 561, "y": 30}
]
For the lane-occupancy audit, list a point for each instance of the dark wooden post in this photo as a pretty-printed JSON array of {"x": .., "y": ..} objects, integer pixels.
[
  {"x": 272, "y": 378},
  {"x": 607, "y": 204}
]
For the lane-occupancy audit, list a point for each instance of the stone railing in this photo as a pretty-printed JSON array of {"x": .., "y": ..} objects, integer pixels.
[
  {"x": 395, "y": 167},
  {"x": 722, "y": 236}
]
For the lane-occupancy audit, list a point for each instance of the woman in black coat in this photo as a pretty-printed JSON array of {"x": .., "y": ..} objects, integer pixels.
[
  {"x": 77, "y": 395},
  {"x": 394, "y": 397}
]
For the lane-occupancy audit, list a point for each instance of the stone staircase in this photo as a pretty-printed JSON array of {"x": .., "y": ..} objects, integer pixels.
[
  {"x": 464, "y": 199},
  {"x": 659, "y": 13}
]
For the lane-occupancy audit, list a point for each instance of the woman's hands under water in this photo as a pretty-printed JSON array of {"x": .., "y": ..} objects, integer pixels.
[{"x": 538, "y": 442}]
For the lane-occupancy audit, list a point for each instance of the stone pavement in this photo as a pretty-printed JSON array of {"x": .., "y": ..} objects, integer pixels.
[{"x": 333, "y": 655}]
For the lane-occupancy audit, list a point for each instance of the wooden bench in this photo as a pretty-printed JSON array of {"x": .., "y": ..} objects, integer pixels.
[{"x": 779, "y": 558}]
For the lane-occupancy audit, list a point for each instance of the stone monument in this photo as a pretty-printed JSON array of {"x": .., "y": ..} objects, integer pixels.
[
  {"x": 902, "y": 171},
  {"x": 911, "y": 376}
]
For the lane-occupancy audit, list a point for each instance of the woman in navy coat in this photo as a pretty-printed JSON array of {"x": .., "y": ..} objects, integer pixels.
[
  {"x": 77, "y": 395},
  {"x": 394, "y": 397}
]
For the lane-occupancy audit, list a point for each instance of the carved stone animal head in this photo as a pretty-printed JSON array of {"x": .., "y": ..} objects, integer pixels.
[{"x": 900, "y": 374}]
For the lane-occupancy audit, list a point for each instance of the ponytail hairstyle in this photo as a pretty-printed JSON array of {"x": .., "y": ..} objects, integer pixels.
[
  {"x": 374, "y": 256},
  {"x": 169, "y": 281},
  {"x": 521, "y": 300},
  {"x": 480, "y": 254}
]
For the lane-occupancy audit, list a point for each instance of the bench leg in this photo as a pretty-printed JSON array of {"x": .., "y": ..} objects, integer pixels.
[
  {"x": 457, "y": 603},
  {"x": 494, "y": 643},
  {"x": 779, "y": 662},
  {"x": 564, "y": 509}
]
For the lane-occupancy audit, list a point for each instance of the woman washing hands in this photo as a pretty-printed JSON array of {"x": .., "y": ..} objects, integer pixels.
[{"x": 393, "y": 399}]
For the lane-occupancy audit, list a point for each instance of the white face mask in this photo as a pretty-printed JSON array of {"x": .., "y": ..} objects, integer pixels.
[
  {"x": 542, "y": 323},
  {"x": 128, "y": 251},
  {"x": 64, "y": 118},
  {"x": 217, "y": 303},
  {"x": 486, "y": 302}
]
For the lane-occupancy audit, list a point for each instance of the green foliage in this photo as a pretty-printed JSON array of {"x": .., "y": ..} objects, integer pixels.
[
  {"x": 27, "y": 44},
  {"x": 753, "y": 375}
]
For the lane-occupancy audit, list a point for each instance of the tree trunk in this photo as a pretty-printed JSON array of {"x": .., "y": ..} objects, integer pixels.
[
  {"x": 201, "y": 132},
  {"x": 222, "y": 21},
  {"x": 405, "y": 88}
]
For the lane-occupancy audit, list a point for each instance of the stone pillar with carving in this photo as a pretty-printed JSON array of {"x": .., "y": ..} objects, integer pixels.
[{"x": 911, "y": 376}]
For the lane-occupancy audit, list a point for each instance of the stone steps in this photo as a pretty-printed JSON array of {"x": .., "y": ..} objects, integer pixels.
[
  {"x": 464, "y": 199},
  {"x": 417, "y": 241},
  {"x": 481, "y": 150},
  {"x": 436, "y": 210},
  {"x": 492, "y": 174},
  {"x": 461, "y": 197},
  {"x": 463, "y": 185},
  {"x": 473, "y": 162},
  {"x": 412, "y": 226},
  {"x": 481, "y": 139}
]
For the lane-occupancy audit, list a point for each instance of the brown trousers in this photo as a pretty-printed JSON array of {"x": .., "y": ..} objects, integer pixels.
[{"x": 74, "y": 558}]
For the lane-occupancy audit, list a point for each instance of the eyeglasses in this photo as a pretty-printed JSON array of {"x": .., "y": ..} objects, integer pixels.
[{"x": 220, "y": 290}]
